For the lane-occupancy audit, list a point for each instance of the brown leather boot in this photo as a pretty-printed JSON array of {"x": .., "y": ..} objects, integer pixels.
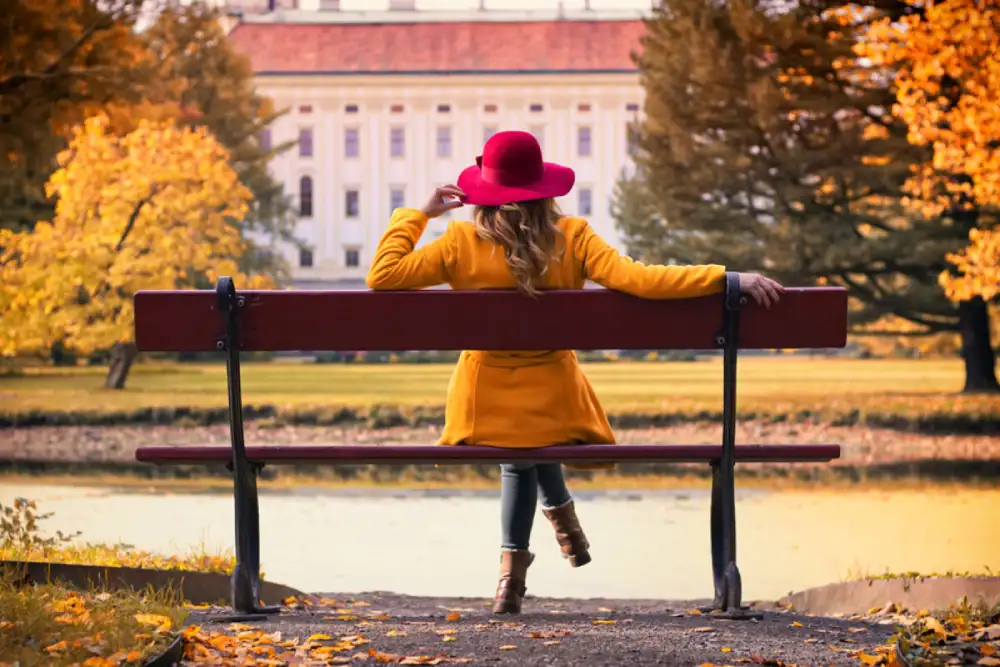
[
  {"x": 569, "y": 534},
  {"x": 511, "y": 589}
]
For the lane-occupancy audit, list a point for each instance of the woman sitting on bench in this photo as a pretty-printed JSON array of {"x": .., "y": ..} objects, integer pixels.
[{"x": 519, "y": 239}]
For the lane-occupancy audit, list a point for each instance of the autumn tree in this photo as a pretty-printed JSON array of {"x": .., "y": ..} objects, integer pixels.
[
  {"x": 60, "y": 62},
  {"x": 946, "y": 71},
  {"x": 211, "y": 84},
  {"x": 153, "y": 209},
  {"x": 767, "y": 144}
]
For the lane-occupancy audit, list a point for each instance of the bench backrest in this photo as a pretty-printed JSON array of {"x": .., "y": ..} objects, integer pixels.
[{"x": 307, "y": 320}]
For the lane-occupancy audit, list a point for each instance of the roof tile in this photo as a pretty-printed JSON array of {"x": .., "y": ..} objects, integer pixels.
[{"x": 470, "y": 46}]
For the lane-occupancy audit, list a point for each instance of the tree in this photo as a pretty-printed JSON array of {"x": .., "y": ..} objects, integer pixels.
[
  {"x": 947, "y": 85},
  {"x": 155, "y": 209},
  {"x": 768, "y": 144},
  {"x": 204, "y": 76},
  {"x": 948, "y": 93},
  {"x": 60, "y": 61}
]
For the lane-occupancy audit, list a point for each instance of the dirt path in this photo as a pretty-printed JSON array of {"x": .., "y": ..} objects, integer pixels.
[
  {"x": 381, "y": 627},
  {"x": 861, "y": 446}
]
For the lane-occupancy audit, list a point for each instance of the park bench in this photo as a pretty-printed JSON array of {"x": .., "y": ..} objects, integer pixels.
[{"x": 297, "y": 320}]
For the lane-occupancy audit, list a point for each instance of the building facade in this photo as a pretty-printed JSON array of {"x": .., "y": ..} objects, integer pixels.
[{"x": 387, "y": 105}]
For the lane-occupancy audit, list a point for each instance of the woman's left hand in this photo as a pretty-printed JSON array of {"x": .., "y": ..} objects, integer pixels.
[{"x": 436, "y": 204}]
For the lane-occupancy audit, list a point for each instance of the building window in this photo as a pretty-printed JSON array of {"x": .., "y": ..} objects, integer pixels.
[
  {"x": 444, "y": 141},
  {"x": 305, "y": 142},
  {"x": 535, "y": 108},
  {"x": 632, "y": 106},
  {"x": 444, "y": 108},
  {"x": 265, "y": 140},
  {"x": 352, "y": 204},
  {"x": 397, "y": 142},
  {"x": 539, "y": 133},
  {"x": 305, "y": 108},
  {"x": 586, "y": 203},
  {"x": 305, "y": 197},
  {"x": 583, "y": 148},
  {"x": 351, "y": 108},
  {"x": 396, "y": 198},
  {"x": 351, "y": 142},
  {"x": 396, "y": 108},
  {"x": 305, "y": 258},
  {"x": 488, "y": 132},
  {"x": 352, "y": 257},
  {"x": 631, "y": 141},
  {"x": 490, "y": 108},
  {"x": 583, "y": 107}
]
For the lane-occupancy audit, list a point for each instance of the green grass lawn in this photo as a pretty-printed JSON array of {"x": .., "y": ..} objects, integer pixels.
[{"x": 767, "y": 385}]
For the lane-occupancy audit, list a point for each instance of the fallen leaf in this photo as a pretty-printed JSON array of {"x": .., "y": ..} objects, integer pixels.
[
  {"x": 453, "y": 616},
  {"x": 868, "y": 659},
  {"x": 857, "y": 630},
  {"x": 604, "y": 621},
  {"x": 604, "y": 610},
  {"x": 395, "y": 633},
  {"x": 6, "y": 625},
  {"x": 508, "y": 647},
  {"x": 319, "y": 638},
  {"x": 162, "y": 623},
  {"x": 704, "y": 629},
  {"x": 548, "y": 634},
  {"x": 931, "y": 624},
  {"x": 811, "y": 640},
  {"x": 449, "y": 638},
  {"x": 796, "y": 624},
  {"x": 726, "y": 649},
  {"x": 694, "y": 612},
  {"x": 989, "y": 662},
  {"x": 986, "y": 649}
]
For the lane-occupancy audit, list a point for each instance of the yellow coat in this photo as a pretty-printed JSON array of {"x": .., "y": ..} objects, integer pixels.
[{"x": 523, "y": 399}]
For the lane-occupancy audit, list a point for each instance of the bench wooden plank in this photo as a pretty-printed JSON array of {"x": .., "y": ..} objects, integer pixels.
[
  {"x": 293, "y": 320},
  {"x": 426, "y": 454}
]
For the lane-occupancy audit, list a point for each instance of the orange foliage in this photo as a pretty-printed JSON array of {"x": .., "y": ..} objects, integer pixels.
[{"x": 947, "y": 77}]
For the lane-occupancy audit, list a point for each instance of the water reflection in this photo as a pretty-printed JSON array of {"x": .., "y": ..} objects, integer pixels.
[{"x": 645, "y": 544}]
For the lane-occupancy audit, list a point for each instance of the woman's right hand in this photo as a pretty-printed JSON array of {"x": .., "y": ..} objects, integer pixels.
[
  {"x": 765, "y": 291},
  {"x": 436, "y": 204}
]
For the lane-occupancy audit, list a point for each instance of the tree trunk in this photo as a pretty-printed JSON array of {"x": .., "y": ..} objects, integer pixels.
[
  {"x": 977, "y": 352},
  {"x": 122, "y": 356}
]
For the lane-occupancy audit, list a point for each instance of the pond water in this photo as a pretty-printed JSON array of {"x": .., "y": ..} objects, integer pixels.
[{"x": 645, "y": 544}]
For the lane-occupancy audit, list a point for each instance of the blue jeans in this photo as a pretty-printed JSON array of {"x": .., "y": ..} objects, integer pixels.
[{"x": 519, "y": 487}]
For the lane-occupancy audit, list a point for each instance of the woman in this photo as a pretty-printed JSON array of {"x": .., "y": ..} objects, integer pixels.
[{"x": 519, "y": 239}]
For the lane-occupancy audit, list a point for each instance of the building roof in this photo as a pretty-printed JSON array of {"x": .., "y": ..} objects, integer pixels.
[{"x": 439, "y": 47}]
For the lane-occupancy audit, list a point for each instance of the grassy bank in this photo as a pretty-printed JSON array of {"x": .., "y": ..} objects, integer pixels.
[
  {"x": 912, "y": 394},
  {"x": 53, "y": 625}
]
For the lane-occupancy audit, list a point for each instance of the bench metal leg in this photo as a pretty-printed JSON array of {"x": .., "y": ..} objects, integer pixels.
[
  {"x": 726, "y": 574},
  {"x": 245, "y": 583}
]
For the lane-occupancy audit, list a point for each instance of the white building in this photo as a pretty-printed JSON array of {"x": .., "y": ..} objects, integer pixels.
[{"x": 387, "y": 105}]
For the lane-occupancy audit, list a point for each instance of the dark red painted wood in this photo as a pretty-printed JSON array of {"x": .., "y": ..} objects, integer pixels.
[
  {"x": 308, "y": 320},
  {"x": 385, "y": 454}
]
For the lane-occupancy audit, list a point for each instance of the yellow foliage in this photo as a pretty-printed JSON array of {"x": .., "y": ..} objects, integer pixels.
[
  {"x": 947, "y": 77},
  {"x": 154, "y": 209}
]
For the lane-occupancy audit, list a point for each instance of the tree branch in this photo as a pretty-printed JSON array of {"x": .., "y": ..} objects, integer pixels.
[
  {"x": 14, "y": 81},
  {"x": 135, "y": 215}
]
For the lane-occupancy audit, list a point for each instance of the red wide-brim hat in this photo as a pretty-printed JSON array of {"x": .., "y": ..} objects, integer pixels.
[{"x": 511, "y": 170}]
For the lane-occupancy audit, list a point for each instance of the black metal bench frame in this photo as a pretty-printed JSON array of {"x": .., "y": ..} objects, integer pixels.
[{"x": 245, "y": 586}]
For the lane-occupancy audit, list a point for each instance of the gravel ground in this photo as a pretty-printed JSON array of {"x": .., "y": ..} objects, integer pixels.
[
  {"x": 860, "y": 446},
  {"x": 568, "y": 632}
]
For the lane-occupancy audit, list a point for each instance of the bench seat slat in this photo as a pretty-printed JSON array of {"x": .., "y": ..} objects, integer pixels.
[{"x": 426, "y": 454}]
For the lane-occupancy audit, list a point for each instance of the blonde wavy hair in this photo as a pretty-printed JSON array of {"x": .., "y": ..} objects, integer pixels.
[{"x": 529, "y": 236}]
